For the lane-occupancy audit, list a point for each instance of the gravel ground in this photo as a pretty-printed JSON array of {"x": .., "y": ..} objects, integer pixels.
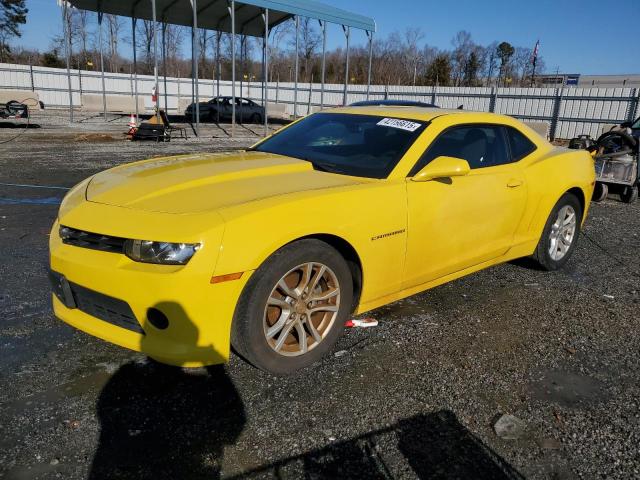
[{"x": 416, "y": 397}]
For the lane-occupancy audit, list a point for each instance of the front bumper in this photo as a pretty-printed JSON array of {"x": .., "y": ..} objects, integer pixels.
[{"x": 199, "y": 313}]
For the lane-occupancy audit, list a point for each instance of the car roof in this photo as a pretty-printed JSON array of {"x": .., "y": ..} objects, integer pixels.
[
  {"x": 415, "y": 113},
  {"x": 396, "y": 103}
]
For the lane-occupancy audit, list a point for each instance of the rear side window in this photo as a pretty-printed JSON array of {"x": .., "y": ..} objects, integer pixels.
[
  {"x": 480, "y": 145},
  {"x": 521, "y": 146}
]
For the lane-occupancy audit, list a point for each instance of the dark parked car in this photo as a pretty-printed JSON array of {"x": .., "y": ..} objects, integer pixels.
[{"x": 220, "y": 107}]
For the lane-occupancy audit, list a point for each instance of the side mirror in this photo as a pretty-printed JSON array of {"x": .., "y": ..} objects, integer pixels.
[{"x": 442, "y": 167}]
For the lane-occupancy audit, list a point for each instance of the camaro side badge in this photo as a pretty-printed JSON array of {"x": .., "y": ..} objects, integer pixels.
[{"x": 385, "y": 235}]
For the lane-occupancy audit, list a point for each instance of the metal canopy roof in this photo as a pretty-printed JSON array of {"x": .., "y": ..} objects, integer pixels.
[{"x": 214, "y": 14}]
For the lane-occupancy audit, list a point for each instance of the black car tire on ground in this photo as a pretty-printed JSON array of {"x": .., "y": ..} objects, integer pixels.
[
  {"x": 256, "y": 118},
  {"x": 600, "y": 192},
  {"x": 541, "y": 254},
  {"x": 629, "y": 194},
  {"x": 248, "y": 332}
]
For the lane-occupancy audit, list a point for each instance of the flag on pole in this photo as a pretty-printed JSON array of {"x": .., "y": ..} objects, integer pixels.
[{"x": 534, "y": 57}]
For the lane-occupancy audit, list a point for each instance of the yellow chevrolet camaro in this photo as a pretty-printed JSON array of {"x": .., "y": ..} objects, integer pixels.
[{"x": 269, "y": 250}]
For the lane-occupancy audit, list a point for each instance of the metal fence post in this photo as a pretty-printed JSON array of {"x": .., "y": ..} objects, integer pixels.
[
  {"x": 493, "y": 99},
  {"x": 556, "y": 114},
  {"x": 632, "y": 108},
  {"x": 33, "y": 88},
  {"x": 433, "y": 95}
]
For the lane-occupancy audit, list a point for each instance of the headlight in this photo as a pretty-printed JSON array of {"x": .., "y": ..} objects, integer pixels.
[{"x": 166, "y": 253}]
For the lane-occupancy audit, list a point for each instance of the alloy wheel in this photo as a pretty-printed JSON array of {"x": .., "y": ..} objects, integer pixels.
[
  {"x": 301, "y": 309},
  {"x": 562, "y": 232}
]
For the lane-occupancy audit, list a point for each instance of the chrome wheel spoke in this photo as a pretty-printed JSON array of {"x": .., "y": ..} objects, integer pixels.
[
  {"x": 277, "y": 326},
  {"x": 313, "y": 330},
  {"x": 286, "y": 289},
  {"x": 302, "y": 337},
  {"x": 307, "y": 271},
  {"x": 570, "y": 219},
  {"x": 278, "y": 302},
  {"x": 323, "y": 308},
  {"x": 325, "y": 295},
  {"x": 316, "y": 278},
  {"x": 283, "y": 337}
]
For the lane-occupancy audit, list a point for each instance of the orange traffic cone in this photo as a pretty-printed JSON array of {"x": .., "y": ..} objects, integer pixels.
[{"x": 133, "y": 125}]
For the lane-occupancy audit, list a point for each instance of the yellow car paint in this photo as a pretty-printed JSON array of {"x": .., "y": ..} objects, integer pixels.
[{"x": 241, "y": 207}]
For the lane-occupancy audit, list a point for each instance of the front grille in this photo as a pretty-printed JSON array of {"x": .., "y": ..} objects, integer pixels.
[
  {"x": 98, "y": 305},
  {"x": 95, "y": 241},
  {"x": 104, "y": 307}
]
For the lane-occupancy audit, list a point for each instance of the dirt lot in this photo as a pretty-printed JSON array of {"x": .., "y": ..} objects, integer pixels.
[{"x": 415, "y": 397}]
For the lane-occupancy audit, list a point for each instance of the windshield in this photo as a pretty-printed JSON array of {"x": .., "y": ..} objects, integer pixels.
[{"x": 358, "y": 145}]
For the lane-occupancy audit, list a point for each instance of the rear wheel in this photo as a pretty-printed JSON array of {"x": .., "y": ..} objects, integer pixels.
[
  {"x": 292, "y": 310},
  {"x": 560, "y": 234},
  {"x": 600, "y": 192},
  {"x": 256, "y": 118},
  {"x": 629, "y": 194}
]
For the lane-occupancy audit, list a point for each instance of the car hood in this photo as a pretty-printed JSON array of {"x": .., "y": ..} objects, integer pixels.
[{"x": 204, "y": 182}]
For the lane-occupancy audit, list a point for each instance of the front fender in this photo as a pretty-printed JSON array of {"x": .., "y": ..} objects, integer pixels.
[{"x": 357, "y": 215}]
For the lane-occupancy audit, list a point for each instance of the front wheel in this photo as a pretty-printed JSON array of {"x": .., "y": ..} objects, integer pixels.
[
  {"x": 560, "y": 234},
  {"x": 293, "y": 309}
]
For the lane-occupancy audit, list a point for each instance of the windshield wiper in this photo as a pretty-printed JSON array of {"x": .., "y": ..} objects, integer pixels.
[{"x": 324, "y": 167}]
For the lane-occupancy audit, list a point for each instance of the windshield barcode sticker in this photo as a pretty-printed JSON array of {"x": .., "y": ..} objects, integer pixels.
[{"x": 397, "y": 123}]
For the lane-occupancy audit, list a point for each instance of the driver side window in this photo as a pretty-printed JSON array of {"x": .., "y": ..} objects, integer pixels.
[{"x": 480, "y": 145}]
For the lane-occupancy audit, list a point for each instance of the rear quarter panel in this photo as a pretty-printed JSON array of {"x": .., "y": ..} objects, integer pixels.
[{"x": 548, "y": 177}]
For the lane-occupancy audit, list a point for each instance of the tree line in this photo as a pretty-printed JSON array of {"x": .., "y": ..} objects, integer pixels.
[{"x": 402, "y": 58}]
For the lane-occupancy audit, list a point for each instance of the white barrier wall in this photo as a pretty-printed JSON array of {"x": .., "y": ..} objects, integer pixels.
[{"x": 571, "y": 110}]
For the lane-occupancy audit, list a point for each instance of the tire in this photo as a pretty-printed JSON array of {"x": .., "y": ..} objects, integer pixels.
[
  {"x": 256, "y": 118},
  {"x": 629, "y": 194},
  {"x": 266, "y": 310},
  {"x": 561, "y": 241},
  {"x": 600, "y": 192}
]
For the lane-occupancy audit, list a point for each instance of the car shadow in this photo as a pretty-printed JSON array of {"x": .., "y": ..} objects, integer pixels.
[
  {"x": 425, "y": 446},
  {"x": 159, "y": 421},
  {"x": 20, "y": 124},
  {"x": 163, "y": 422}
]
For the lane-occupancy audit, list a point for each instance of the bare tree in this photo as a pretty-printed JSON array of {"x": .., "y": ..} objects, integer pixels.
[
  {"x": 462, "y": 48},
  {"x": 80, "y": 26},
  {"x": 114, "y": 28},
  {"x": 309, "y": 42}
]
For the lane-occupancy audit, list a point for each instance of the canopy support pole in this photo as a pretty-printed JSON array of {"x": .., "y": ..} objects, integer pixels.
[
  {"x": 67, "y": 51},
  {"x": 218, "y": 74},
  {"x": 104, "y": 93},
  {"x": 323, "y": 26},
  {"x": 265, "y": 77},
  {"x": 370, "y": 37},
  {"x": 295, "y": 76},
  {"x": 155, "y": 53},
  {"x": 243, "y": 40},
  {"x": 232, "y": 13},
  {"x": 164, "y": 66},
  {"x": 135, "y": 63},
  {"x": 347, "y": 33},
  {"x": 195, "y": 54}
]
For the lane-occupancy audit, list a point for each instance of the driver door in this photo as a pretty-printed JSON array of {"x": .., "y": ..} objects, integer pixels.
[{"x": 458, "y": 222}]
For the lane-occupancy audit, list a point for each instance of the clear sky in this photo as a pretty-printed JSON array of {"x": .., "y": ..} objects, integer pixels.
[{"x": 577, "y": 36}]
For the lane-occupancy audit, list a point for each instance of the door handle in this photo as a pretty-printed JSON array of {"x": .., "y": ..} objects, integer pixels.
[{"x": 513, "y": 183}]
